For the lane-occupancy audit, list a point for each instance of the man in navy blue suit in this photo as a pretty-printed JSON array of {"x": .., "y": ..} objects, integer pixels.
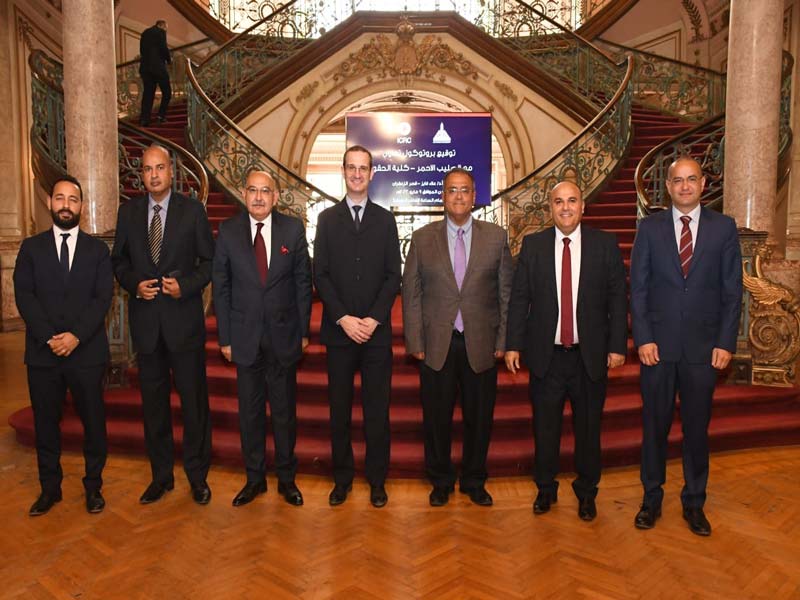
[
  {"x": 686, "y": 295},
  {"x": 63, "y": 285}
]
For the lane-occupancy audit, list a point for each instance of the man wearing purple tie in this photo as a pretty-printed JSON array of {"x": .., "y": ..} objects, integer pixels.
[{"x": 456, "y": 286}]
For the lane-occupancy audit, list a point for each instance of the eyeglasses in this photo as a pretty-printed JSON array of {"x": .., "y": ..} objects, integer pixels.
[
  {"x": 357, "y": 169},
  {"x": 454, "y": 190},
  {"x": 252, "y": 190},
  {"x": 691, "y": 180}
]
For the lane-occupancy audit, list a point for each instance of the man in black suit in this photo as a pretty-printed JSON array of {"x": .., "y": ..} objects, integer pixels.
[
  {"x": 262, "y": 299},
  {"x": 357, "y": 275},
  {"x": 63, "y": 286},
  {"x": 154, "y": 57},
  {"x": 568, "y": 313},
  {"x": 686, "y": 297},
  {"x": 162, "y": 257}
]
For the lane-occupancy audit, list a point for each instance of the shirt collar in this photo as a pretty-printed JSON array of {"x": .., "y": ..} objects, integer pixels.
[
  {"x": 574, "y": 237},
  {"x": 164, "y": 204},
  {"x": 57, "y": 231},
  {"x": 351, "y": 203},
  {"x": 452, "y": 228},
  {"x": 694, "y": 214},
  {"x": 267, "y": 222}
]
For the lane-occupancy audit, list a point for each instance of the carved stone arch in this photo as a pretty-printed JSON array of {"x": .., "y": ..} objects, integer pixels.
[{"x": 509, "y": 130}]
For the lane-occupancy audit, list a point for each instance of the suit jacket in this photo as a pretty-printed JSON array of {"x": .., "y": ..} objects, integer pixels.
[
  {"x": 50, "y": 305},
  {"x": 601, "y": 309},
  {"x": 187, "y": 249},
  {"x": 686, "y": 317},
  {"x": 245, "y": 307},
  {"x": 153, "y": 51},
  {"x": 431, "y": 298},
  {"x": 356, "y": 272}
]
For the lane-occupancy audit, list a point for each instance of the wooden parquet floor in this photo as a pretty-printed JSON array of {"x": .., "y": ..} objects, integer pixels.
[{"x": 175, "y": 549}]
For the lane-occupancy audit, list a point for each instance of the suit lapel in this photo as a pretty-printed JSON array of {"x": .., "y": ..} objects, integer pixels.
[
  {"x": 704, "y": 223},
  {"x": 587, "y": 260},
  {"x": 140, "y": 223},
  {"x": 244, "y": 242},
  {"x": 668, "y": 232},
  {"x": 174, "y": 216},
  {"x": 549, "y": 259},
  {"x": 443, "y": 251},
  {"x": 476, "y": 244},
  {"x": 346, "y": 217},
  {"x": 277, "y": 241},
  {"x": 50, "y": 253}
]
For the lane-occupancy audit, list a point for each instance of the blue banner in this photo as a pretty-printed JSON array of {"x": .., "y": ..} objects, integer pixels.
[{"x": 411, "y": 153}]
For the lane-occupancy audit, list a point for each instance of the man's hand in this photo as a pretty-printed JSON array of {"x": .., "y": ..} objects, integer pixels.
[
  {"x": 226, "y": 352},
  {"x": 648, "y": 354},
  {"x": 615, "y": 360},
  {"x": 171, "y": 287},
  {"x": 499, "y": 353},
  {"x": 418, "y": 355},
  {"x": 512, "y": 360},
  {"x": 720, "y": 358},
  {"x": 304, "y": 344},
  {"x": 352, "y": 327},
  {"x": 367, "y": 326},
  {"x": 147, "y": 289},
  {"x": 62, "y": 344}
]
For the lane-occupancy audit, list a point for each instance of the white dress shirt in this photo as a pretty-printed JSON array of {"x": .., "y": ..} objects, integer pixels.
[
  {"x": 575, "y": 254},
  {"x": 678, "y": 224},
  {"x": 72, "y": 241},
  {"x": 266, "y": 233}
]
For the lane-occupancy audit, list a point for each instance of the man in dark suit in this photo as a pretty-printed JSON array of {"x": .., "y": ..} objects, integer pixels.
[
  {"x": 154, "y": 57},
  {"x": 162, "y": 257},
  {"x": 456, "y": 285},
  {"x": 568, "y": 314},
  {"x": 686, "y": 296},
  {"x": 357, "y": 275},
  {"x": 63, "y": 286},
  {"x": 262, "y": 299}
]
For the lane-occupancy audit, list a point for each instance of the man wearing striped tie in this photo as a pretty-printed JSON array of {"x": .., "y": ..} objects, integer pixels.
[
  {"x": 686, "y": 294},
  {"x": 162, "y": 257}
]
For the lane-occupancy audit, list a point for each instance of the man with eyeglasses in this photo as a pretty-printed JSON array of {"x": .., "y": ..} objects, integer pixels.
[
  {"x": 456, "y": 286},
  {"x": 262, "y": 299},
  {"x": 357, "y": 275},
  {"x": 686, "y": 295}
]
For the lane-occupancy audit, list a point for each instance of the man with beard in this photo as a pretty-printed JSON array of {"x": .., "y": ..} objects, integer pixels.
[
  {"x": 162, "y": 257},
  {"x": 63, "y": 286}
]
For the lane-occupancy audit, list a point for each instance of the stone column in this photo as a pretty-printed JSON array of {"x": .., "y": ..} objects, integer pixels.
[
  {"x": 90, "y": 106},
  {"x": 751, "y": 113}
]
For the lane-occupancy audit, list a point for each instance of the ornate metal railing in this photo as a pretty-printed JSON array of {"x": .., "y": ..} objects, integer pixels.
[
  {"x": 673, "y": 87},
  {"x": 129, "y": 82},
  {"x": 49, "y": 143},
  {"x": 706, "y": 143},
  {"x": 588, "y": 160},
  {"x": 240, "y": 15},
  {"x": 228, "y": 154}
]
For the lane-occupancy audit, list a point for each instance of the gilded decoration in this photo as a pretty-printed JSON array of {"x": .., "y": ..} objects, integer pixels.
[
  {"x": 506, "y": 90},
  {"x": 307, "y": 90},
  {"x": 774, "y": 324},
  {"x": 405, "y": 57}
]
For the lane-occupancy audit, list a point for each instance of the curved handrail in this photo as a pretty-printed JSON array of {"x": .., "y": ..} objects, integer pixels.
[
  {"x": 49, "y": 143},
  {"x": 587, "y": 161},
  {"x": 674, "y": 87},
  {"x": 706, "y": 143},
  {"x": 228, "y": 154}
]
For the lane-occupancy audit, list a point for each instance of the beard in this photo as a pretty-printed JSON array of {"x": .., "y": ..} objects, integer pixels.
[{"x": 62, "y": 221}]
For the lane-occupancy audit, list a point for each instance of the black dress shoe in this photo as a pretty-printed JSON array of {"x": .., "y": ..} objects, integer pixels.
[
  {"x": 339, "y": 494},
  {"x": 44, "y": 502},
  {"x": 478, "y": 495},
  {"x": 646, "y": 517},
  {"x": 154, "y": 492},
  {"x": 201, "y": 493},
  {"x": 698, "y": 524},
  {"x": 542, "y": 503},
  {"x": 249, "y": 492},
  {"x": 290, "y": 493},
  {"x": 94, "y": 502},
  {"x": 377, "y": 496},
  {"x": 587, "y": 510},
  {"x": 440, "y": 495}
]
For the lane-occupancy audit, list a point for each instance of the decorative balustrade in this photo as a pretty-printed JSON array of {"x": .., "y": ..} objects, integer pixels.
[
  {"x": 129, "y": 82},
  {"x": 706, "y": 143},
  {"x": 229, "y": 154},
  {"x": 50, "y": 152}
]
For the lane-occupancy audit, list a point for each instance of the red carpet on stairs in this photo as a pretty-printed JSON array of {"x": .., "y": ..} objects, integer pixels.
[{"x": 743, "y": 416}]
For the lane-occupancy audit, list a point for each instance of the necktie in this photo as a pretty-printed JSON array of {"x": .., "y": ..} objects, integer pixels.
[
  {"x": 567, "y": 334},
  {"x": 460, "y": 268},
  {"x": 685, "y": 250},
  {"x": 155, "y": 235},
  {"x": 64, "y": 255},
  {"x": 261, "y": 253},
  {"x": 357, "y": 209}
]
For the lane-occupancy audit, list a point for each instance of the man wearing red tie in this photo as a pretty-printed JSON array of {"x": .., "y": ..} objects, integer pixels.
[
  {"x": 686, "y": 295},
  {"x": 568, "y": 313}
]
